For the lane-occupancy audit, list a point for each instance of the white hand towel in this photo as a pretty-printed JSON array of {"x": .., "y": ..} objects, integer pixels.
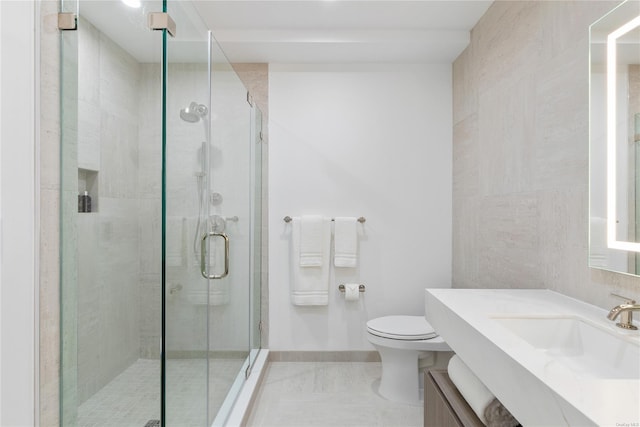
[
  {"x": 470, "y": 387},
  {"x": 311, "y": 241},
  {"x": 310, "y": 285},
  {"x": 345, "y": 242}
]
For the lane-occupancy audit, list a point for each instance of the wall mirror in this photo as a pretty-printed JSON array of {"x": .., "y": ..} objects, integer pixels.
[{"x": 614, "y": 134}]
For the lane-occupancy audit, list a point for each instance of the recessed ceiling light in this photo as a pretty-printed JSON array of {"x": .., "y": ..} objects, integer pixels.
[{"x": 132, "y": 3}]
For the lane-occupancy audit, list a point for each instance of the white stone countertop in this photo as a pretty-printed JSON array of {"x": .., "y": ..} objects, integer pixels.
[{"x": 537, "y": 391}]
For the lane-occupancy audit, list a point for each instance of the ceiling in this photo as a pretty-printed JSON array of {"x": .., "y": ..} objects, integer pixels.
[
  {"x": 339, "y": 31},
  {"x": 296, "y": 31}
]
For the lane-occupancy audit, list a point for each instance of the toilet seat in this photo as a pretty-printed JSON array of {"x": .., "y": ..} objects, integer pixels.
[{"x": 405, "y": 328}]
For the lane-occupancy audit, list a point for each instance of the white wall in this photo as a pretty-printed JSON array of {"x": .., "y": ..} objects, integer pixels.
[
  {"x": 370, "y": 140},
  {"x": 18, "y": 257}
]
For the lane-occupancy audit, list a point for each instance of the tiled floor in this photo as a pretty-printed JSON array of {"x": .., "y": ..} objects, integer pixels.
[
  {"x": 298, "y": 394},
  {"x": 114, "y": 403},
  {"x": 293, "y": 394},
  {"x": 132, "y": 399}
]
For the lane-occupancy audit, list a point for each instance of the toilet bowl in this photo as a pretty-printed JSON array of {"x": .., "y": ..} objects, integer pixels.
[{"x": 401, "y": 342}]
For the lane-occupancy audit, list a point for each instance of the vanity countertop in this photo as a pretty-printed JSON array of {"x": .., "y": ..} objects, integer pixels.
[{"x": 527, "y": 380}]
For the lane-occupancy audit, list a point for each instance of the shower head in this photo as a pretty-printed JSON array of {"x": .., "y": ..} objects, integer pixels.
[{"x": 194, "y": 112}]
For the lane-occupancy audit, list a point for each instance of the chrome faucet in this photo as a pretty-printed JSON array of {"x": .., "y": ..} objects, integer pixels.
[{"x": 625, "y": 311}]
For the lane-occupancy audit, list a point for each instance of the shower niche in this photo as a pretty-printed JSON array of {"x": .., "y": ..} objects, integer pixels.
[
  {"x": 88, "y": 185},
  {"x": 151, "y": 126}
]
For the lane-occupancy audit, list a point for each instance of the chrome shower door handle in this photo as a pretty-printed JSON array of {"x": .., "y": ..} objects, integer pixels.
[{"x": 203, "y": 256}]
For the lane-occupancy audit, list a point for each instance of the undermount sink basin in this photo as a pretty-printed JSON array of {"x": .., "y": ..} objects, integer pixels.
[{"x": 576, "y": 344}]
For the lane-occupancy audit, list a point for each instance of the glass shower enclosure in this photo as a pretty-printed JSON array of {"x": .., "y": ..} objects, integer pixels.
[{"x": 160, "y": 219}]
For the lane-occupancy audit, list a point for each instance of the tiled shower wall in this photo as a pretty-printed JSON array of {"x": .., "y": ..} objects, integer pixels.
[
  {"x": 108, "y": 240},
  {"x": 521, "y": 153}
]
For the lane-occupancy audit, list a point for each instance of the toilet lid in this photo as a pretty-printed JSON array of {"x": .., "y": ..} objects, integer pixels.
[{"x": 401, "y": 328}]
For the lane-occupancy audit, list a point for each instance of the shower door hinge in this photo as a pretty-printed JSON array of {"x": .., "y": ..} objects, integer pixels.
[
  {"x": 67, "y": 21},
  {"x": 249, "y": 99},
  {"x": 261, "y": 136},
  {"x": 260, "y": 322},
  {"x": 162, "y": 21},
  {"x": 247, "y": 372}
]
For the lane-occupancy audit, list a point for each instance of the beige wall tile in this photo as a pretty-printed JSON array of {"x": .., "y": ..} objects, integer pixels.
[
  {"x": 520, "y": 220},
  {"x": 49, "y": 321},
  {"x": 465, "y": 89}
]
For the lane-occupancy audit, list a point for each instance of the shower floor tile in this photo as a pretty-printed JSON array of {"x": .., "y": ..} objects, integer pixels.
[
  {"x": 327, "y": 394},
  {"x": 132, "y": 399}
]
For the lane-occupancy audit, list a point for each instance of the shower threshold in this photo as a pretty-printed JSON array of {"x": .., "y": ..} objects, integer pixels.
[{"x": 235, "y": 410}]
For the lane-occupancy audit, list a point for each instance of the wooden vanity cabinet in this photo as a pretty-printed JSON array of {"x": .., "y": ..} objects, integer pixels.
[{"x": 444, "y": 406}]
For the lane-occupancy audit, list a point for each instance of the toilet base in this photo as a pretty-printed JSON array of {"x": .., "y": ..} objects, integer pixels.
[
  {"x": 400, "y": 380},
  {"x": 400, "y": 356}
]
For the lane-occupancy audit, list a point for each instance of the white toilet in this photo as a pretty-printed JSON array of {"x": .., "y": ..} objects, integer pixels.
[{"x": 401, "y": 341}]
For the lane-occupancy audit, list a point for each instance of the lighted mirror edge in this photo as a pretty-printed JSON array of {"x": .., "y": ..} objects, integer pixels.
[{"x": 612, "y": 240}]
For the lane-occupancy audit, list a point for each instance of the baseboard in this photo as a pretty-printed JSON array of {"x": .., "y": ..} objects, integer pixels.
[
  {"x": 324, "y": 356},
  {"x": 203, "y": 354}
]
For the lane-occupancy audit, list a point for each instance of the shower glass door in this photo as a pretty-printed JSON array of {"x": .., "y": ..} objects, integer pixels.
[
  {"x": 231, "y": 209},
  {"x": 208, "y": 223}
]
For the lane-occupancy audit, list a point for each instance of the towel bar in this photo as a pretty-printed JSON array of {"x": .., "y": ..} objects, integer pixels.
[
  {"x": 360, "y": 288},
  {"x": 289, "y": 219}
]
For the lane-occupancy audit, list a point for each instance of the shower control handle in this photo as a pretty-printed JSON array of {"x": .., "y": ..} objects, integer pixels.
[{"x": 203, "y": 255}]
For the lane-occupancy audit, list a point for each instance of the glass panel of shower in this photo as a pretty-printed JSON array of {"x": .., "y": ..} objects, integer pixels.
[
  {"x": 160, "y": 148},
  {"x": 110, "y": 244},
  {"x": 255, "y": 297}
]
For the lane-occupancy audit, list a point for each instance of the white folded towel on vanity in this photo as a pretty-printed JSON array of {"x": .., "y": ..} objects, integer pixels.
[
  {"x": 345, "y": 242},
  {"x": 486, "y": 406},
  {"x": 311, "y": 241},
  {"x": 310, "y": 284},
  {"x": 470, "y": 387}
]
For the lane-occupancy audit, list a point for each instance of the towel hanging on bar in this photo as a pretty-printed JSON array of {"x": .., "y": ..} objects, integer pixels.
[{"x": 345, "y": 240}]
